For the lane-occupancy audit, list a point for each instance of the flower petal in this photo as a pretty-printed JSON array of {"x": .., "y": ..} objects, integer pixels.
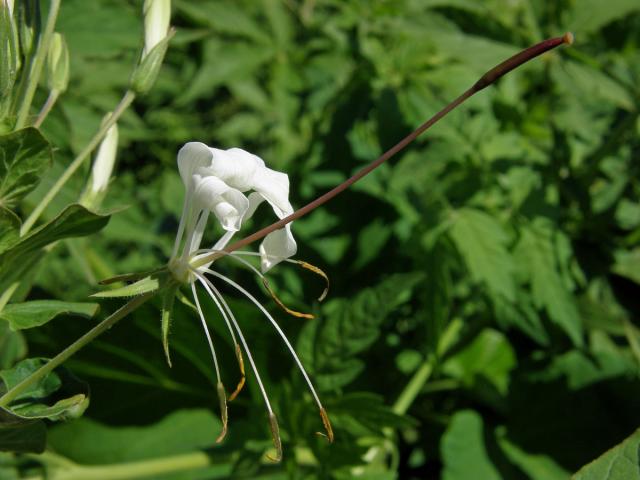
[
  {"x": 276, "y": 247},
  {"x": 235, "y": 166},
  {"x": 191, "y": 157},
  {"x": 227, "y": 204},
  {"x": 274, "y": 187}
]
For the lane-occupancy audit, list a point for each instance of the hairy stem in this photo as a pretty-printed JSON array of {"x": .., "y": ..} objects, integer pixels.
[
  {"x": 126, "y": 100},
  {"x": 96, "y": 331}
]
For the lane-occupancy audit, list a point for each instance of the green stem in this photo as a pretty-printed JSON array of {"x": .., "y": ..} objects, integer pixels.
[
  {"x": 140, "y": 469},
  {"x": 127, "y": 99},
  {"x": 38, "y": 63},
  {"x": 413, "y": 388},
  {"x": 46, "y": 108},
  {"x": 99, "y": 329}
]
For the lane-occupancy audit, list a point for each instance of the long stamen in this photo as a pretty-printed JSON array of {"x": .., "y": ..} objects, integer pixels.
[
  {"x": 222, "y": 396},
  {"x": 265, "y": 282},
  {"x": 287, "y": 343},
  {"x": 275, "y": 432},
  {"x": 233, "y": 336}
]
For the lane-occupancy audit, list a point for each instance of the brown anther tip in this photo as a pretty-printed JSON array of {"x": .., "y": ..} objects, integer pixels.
[
  {"x": 275, "y": 298},
  {"x": 568, "y": 38},
  {"x": 275, "y": 434},
  {"x": 327, "y": 426},
  {"x": 242, "y": 378},
  {"x": 222, "y": 397}
]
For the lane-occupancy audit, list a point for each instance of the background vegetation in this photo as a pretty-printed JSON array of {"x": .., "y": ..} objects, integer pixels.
[{"x": 483, "y": 314}]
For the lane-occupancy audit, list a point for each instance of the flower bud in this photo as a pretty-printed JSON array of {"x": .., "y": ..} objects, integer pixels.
[
  {"x": 102, "y": 168},
  {"x": 157, "y": 14},
  {"x": 145, "y": 74},
  {"x": 8, "y": 49},
  {"x": 58, "y": 64}
]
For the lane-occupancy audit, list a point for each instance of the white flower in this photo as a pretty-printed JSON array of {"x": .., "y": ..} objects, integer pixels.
[{"x": 217, "y": 182}]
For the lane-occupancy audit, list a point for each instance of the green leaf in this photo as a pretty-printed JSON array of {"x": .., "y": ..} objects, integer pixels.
[
  {"x": 482, "y": 242},
  {"x": 57, "y": 396},
  {"x": 88, "y": 441},
  {"x": 487, "y": 360},
  {"x": 536, "y": 465},
  {"x": 25, "y": 156},
  {"x": 38, "y": 312},
  {"x": 9, "y": 229},
  {"x": 463, "y": 449},
  {"x": 537, "y": 255},
  {"x": 74, "y": 221},
  {"x": 627, "y": 264},
  {"x": 622, "y": 462}
]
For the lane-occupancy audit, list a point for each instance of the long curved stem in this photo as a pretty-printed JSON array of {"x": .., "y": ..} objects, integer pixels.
[
  {"x": 126, "y": 100},
  {"x": 484, "y": 81}
]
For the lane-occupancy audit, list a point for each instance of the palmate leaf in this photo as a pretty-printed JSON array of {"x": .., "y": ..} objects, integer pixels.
[
  {"x": 328, "y": 347},
  {"x": 622, "y": 462},
  {"x": 25, "y": 156}
]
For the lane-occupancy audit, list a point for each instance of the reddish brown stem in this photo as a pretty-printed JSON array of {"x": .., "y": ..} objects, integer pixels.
[{"x": 487, "y": 79}]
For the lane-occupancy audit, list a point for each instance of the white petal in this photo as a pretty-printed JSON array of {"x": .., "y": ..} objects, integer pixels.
[
  {"x": 276, "y": 247},
  {"x": 235, "y": 167},
  {"x": 274, "y": 187},
  {"x": 228, "y": 204},
  {"x": 191, "y": 157}
]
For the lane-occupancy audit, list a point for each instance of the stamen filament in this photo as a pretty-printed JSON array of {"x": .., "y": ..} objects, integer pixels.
[
  {"x": 220, "y": 387},
  {"x": 278, "y": 329},
  {"x": 233, "y": 336},
  {"x": 265, "y": 282},
  {"x": 275, "y": 431}
]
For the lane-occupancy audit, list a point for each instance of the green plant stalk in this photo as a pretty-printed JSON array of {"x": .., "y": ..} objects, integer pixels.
[
  {"x": 36, "y": 65},
  {"x": 126, "y": 100},
  {"x": 46, "y": 108},
  {"x": 413, "y": 388},
  {"x": 134, "y": 470},
  {"x": 56, "y": 361}
]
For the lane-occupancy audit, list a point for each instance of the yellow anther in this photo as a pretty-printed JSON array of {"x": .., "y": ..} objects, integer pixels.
[
  {"x": 242, "y": 379},
  {"x": 282, "y": 305}
]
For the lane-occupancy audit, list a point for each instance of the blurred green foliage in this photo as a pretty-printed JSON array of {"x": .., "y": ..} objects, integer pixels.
[{"x": 483, "y": 314}]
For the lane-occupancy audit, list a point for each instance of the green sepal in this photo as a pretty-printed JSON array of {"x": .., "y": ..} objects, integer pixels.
[
  {"x": 150, "y": 283},
  {"x": 145, "y": 74},
  {"x": 167, "y": 308}
]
